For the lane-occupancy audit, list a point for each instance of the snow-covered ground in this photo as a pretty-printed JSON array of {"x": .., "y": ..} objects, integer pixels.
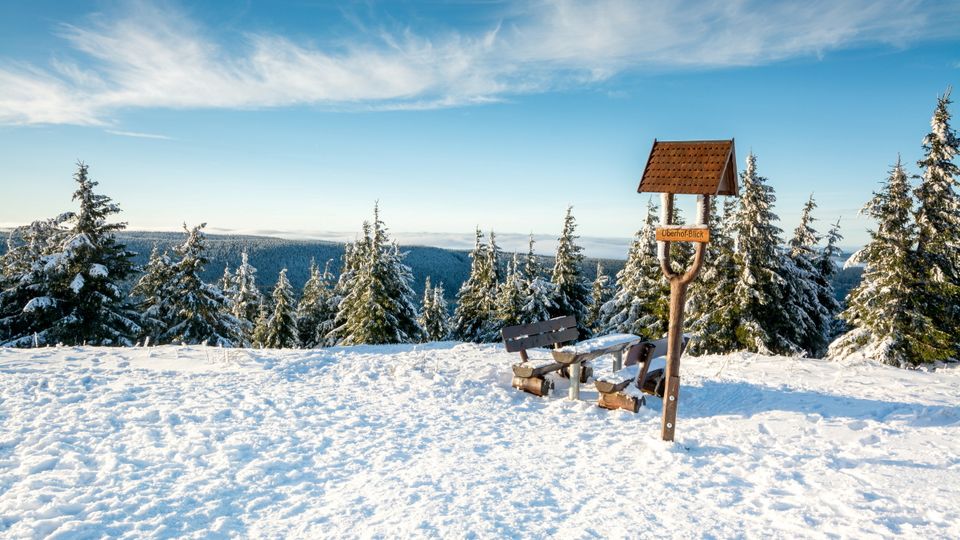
[{"x": 431, "y": 441}]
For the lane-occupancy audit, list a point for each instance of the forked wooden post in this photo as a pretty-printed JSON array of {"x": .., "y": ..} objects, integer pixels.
[
  {"x": 704, "y": 169},
  {"x": 678, "y": 297}
]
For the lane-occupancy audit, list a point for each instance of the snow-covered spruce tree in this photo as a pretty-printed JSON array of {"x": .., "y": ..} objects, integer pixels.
[
  {"x": 938, "y": 231},
  {"x": 476, "y": 299},
  {"x": 82, "y": 301},
  {"x": 600, "y": 294},
  {"x": 228, "y": 282},
  {"x": 767, "y": 322},
  {"x": 510, "y": 299},
  {"x": 316, "y": 311},
  {"x": 573, "y": 292},
  {"x": 152, "y": 296},
  {"x": 378, "y": 306},
  {"x": 433, "y": 313},
  {"x": 639, "y": 305},
  {"x": 885, "y": 317},
  {"x": 259, "y": 336},
  {"x": 826, "y": 271},
  {"x": 281, "y": 332},
  {"x": 199, "y": 309},
  {"x": 495, "y": 254},
  {"x": 807, "y": 286},
  {"x": 245, "y": 299},
  {"x": 538, "y": 292},
  {"x": 25, "y": 299},
  {"x": 713, "y": 315}
]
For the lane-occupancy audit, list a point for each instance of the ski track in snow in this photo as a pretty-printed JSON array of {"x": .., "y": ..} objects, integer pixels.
[{"x": 431, "y": 441}]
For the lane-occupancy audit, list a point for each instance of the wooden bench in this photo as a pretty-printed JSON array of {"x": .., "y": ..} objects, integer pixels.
[
  {"x": 611, "y": 388},
  {"x": 529, "y": 374}
]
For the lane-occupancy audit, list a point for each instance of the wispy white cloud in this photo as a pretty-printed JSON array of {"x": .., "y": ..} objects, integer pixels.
[
  {"x": 138, "y": 135},
  {"x": 156, "y": 57}
]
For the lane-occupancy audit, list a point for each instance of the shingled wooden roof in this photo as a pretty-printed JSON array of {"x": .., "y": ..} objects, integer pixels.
[{"x": 691, "y": 167}]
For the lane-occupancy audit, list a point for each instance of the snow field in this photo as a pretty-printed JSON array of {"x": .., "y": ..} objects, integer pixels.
[{"x": 431, "y": 441}]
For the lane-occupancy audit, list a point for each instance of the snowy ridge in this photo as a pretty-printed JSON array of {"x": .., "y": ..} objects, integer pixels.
[{"x": 430, "y": 440}]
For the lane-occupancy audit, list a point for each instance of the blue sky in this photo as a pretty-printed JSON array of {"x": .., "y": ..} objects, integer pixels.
[{"x": 297, "y": 116}]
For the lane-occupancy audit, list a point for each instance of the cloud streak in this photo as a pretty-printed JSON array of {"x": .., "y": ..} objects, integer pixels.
[{"x": 157, "y": 57}]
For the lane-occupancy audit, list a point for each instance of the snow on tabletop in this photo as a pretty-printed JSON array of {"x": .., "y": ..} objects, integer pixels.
[
  {"x": 201, "y": 442},
  {"x": 601, "y": 342}
]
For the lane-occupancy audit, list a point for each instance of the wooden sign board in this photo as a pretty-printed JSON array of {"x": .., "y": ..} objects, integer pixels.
[{"x": 683, "y": 234}]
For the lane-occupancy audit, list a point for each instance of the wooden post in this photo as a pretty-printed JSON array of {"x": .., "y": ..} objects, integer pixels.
[
  {"x": 575, "y": 381},
  {"x": 678, "y": 297}
]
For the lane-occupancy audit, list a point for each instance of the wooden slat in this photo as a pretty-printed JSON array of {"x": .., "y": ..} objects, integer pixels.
[
  {"x": 540, "y": 327},
  {"x": 541, "y": 340}
]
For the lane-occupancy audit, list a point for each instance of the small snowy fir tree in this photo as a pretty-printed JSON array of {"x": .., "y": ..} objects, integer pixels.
[
  {"x": 259, "y": 336},
  {"x": 538, "y": 292},
  {"x": 433, "y": 313},
  {"x": 152, "y": 295},
  {"x": 766, "y": 320},
  {"x": 245, "y": 298},
  {"x": 476, "y": 298},
  {"x": 316, "y": 311},
  {"x": 573, "y": 292},
  {"x": 79, "y": 296},
  {"x": 200, "y": 315},
  {"x": 826, "y": 266},
  {"x": 884, "y": 317},
  {"x": 713, "y": 316},
  {"x": 281, "y": 331},
  {"x": 228, "y": 282},
  {"x": 938, "y": 231},
  {"x": 600, "y": 294},
  {"x": 510, "y": 298},
  {"x": 639, "y": 305},
  {"x": 813, "y": 331},
  {"x": 378, "y": 306}
]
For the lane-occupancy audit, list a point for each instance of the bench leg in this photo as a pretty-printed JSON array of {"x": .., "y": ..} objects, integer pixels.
[
  {"x": 617, "y": 361},
  {"x": 575, "y": 380}
]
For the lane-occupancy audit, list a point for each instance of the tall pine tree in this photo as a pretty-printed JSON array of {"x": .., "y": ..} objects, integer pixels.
[
  {"x": 199, "y": 308},
  {"x": 766, "y": 318},
  {"x": 885, "y": 317},
  {"x": 537, "y": 291},
  {"x": 476, "y": 299},
  {"x": 77, "y": 295},
  {"x": 153, "y": 297},
  {"x": 434, "y": 318},
  {"x": 573, "y": 292},
  {"x": 316, "y": 311},
  {"x": 281, "y": 330},
  {"x": 938, "y": 232},
  {"x": 639, "y": 305},
  {"x": 713, "y": 318},
  {"x": 600, "y": 293},
  {"x": 378, "y": 306}
]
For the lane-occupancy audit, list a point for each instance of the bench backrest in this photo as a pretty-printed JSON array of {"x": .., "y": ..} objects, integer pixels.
[{"x": 540, "y": 334}]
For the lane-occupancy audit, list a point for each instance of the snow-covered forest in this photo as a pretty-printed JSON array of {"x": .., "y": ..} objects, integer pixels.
[{"x": 69, "y": 280}]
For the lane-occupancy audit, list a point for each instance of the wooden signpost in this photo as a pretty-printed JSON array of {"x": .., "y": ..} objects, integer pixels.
[{"x": 705, "y": 169}]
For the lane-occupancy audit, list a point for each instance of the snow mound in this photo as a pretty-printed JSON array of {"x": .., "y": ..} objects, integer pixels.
[{"x": 431, "y": 440}]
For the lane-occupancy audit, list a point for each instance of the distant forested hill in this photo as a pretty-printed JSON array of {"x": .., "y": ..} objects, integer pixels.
[{"x": 270, "y": 254}]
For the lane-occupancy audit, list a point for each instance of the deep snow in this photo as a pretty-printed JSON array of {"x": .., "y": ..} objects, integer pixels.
[{"x": 430, "y": 440}]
